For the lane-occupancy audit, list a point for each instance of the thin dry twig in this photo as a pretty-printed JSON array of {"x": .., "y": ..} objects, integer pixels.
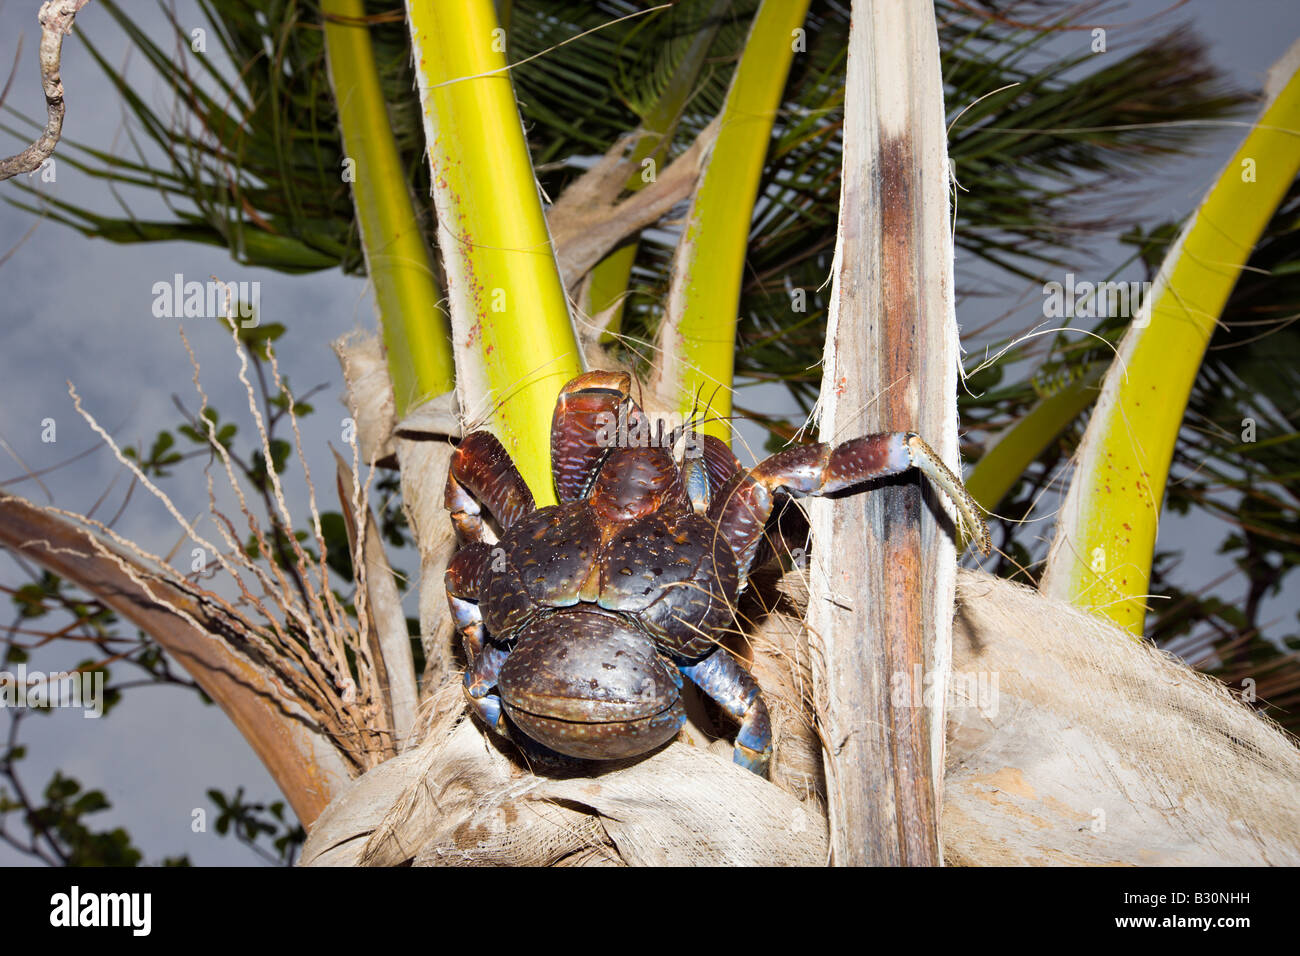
[{"x": 56, "y": 18}]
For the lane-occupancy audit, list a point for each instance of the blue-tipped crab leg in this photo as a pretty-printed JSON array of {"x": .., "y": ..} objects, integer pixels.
[
  {"x": 742, "y": 506},
  {"x": 482, "y": 475},
  {"x": 727, "y": 681},
  {"x": 464, "y": 580},
  {"x": 480, "y": 677}
]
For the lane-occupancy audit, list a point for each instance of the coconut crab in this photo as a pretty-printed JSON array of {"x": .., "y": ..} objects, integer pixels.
[{"x": 581, "y": 622}]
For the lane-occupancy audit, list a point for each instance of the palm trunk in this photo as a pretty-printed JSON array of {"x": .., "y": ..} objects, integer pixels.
[{"x": 880, "y": 608}]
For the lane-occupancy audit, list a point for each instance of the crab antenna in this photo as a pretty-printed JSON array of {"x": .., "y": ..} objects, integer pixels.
[{"x": 680, "y": 430}]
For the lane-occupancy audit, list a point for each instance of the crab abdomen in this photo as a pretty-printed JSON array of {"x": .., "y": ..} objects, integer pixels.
[{"x": 586, "y": 684}]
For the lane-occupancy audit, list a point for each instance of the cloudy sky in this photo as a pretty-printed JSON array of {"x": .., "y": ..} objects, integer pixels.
[{"x": 79, "y": 310}]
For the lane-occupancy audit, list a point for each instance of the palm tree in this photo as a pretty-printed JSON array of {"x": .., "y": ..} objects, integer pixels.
[{"x": 797, "y": 148}]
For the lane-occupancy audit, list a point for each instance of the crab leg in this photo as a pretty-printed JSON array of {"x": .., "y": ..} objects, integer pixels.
[
  {"x": 480, "y": 677},
  {"x": 743, "y": 505},
  {"x": 719, "y": 460},
  {"x": 727, "y": 681},
  {"x": 463, "y": 580},
  {"x": 707, "y": 466},
  {"x": 481, "y": 471}
]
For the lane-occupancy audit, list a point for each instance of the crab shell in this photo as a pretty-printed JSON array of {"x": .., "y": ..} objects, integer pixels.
[{"x": 588, "y": 684}]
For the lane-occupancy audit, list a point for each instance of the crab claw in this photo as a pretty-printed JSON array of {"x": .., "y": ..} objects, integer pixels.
[
  {"x": 482, "y": 472},
  {"x": 583, "y": 413},
  {"x": 618, "y": 382}
]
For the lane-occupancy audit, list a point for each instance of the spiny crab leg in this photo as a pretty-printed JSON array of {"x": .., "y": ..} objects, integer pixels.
[{"x": 742, "y": 506}]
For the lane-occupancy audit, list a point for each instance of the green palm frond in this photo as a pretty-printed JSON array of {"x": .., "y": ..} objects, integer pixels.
[
  {"x": 1238, "y": 458},
  {"x": 1013, "y": 153},
  {"x": 251, "y": 161}
]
